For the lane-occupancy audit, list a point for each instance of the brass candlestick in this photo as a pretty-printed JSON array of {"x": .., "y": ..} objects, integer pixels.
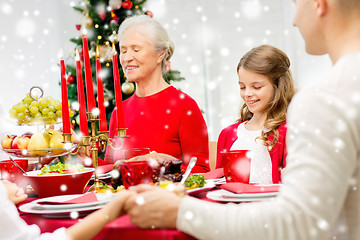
[{"x": 91, "y": 143}]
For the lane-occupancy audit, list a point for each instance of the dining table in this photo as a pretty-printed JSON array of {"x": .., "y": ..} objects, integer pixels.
[{"x": 123, "y": 228}]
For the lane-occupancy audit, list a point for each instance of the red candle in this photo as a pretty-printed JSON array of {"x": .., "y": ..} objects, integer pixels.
[
  {"x": 64, "y": 99},
  {"x": 102, "y": 115},
  {"x": 118, "y": 97},
  {"x": 88, "y": 77},
  {"x": 81, "y": 98}
]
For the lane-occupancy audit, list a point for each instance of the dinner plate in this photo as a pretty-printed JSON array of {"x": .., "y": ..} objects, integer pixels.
[
  {"x": 208, "y": 185},
  {"x": 102, "y": 176},
  {"x": 64, "y": 210},
  {"x": 227, "y": 196},
  {"x": 102, "y": 199}
]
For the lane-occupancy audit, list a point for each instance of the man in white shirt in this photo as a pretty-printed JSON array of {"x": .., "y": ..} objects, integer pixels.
[{"x": 320, "y": 194}]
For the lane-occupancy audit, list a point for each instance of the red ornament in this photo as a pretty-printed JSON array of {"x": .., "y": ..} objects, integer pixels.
[
  {"x": 127, "y": 4},
  {"x": 114, "y": 17},
  {"x": 70, "y": 79},
  {"x": 149, "y": 13},
  {"x": 102, "y": 15},
  {"x": 78, "y": 26}
]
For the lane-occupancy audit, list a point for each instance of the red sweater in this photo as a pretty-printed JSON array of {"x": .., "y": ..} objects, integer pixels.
[
  {"x": 278, "y": 154},
  {"x": 166, "y": 122}
]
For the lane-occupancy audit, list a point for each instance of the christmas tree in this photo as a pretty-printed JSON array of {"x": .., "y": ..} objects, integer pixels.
[{"x": 100, "y": 23}]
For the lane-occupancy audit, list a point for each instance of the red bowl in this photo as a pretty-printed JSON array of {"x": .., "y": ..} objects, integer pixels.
[{"x": 62, "y": 184}]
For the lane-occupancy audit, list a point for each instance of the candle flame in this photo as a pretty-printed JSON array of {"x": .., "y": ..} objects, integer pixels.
[
  {"x": 77, "y": 55},
  {"x": 114, "y": 49},
  {"x": 97, "y": 52}
]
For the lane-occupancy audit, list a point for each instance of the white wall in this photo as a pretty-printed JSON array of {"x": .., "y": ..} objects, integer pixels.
[
  {"x": 210, "y": 37},
  {"x": 33, "y": 35}
]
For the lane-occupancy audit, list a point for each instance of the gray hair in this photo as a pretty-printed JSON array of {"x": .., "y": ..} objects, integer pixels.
[{"x": 158, "y": 35}]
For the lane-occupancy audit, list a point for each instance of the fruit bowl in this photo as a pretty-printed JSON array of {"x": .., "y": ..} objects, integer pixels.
[
  {"x": 59, "y": 184},
  {"x": 39, "y": 121},
  {"x": 46, "y": 152}
]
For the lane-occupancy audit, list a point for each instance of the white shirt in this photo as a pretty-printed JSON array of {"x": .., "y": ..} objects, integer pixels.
[
  {"x": 12, "y": 227},
  {"x": 260, "y": 165},
  {"x": 320, "y": 194}
]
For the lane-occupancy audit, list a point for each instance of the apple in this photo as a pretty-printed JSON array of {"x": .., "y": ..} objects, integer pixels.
[
  {"x": 20, "y": 142},
  {"x": 7, "y": 141},
  {"x": 27, "y": 134}
]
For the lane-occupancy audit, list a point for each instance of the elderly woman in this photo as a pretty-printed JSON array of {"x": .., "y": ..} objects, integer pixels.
[{"x": 157, "y": 115}]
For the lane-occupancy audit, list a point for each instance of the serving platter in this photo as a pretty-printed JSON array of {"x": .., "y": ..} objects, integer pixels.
[
  {"x": 40, "y": 121},
  {"x": 46, "y": 152}
]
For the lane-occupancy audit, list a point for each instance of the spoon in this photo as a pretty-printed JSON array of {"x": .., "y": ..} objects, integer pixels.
[
  {"x": 161, "y": 175},
  {"x": 188, "y": 169},
  {"x": 17, "y": 165}
]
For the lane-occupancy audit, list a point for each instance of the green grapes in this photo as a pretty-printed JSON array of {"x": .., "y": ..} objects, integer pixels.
[
  {"x": 33, "y": 110},
  {"x": 43, "y": 110},
  {"x": 51, "y": 114}
]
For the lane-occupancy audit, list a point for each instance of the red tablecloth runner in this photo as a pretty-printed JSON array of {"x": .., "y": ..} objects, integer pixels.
[{"x": 121, "y": 228}]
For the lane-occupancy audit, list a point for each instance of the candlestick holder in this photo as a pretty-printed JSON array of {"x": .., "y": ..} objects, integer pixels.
[{"x": 94, "y": 143}]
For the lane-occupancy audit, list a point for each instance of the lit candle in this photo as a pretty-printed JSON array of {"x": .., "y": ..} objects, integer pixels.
[
  {"x": 81, "y": 98},
  {"x": 88, "y": 77},
  {"x": 102, "y": 115},
  {"x": 64, "y": 99},
  {"x": 118, "y": 97}
]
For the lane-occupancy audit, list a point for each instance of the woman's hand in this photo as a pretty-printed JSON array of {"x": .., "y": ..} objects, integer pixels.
[{"x": 15, "y": 194}]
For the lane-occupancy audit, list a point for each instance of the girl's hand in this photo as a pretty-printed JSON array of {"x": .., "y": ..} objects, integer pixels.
[{"x": 15, "y": 194}]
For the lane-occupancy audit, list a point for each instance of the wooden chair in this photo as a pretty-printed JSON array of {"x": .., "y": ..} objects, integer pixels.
[{"x": 212, "y": 154}]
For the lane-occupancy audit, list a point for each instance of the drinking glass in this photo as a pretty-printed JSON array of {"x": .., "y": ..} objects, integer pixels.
[
  {"x": 237, "y": 165},
  {"x": 135, "y": 172}
]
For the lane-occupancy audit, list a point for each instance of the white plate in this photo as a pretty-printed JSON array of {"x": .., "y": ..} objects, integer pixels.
[
  {"x": 58, "y": 210},
  {"x": 102, "y": 176},
  {"x": 102, "y": 199},
  {"x": 227, "y": 196},
  {"x": 207, "y": 186}
]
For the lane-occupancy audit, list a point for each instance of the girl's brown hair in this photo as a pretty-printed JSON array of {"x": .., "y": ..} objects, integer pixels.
[{"x": 274, "y": 64}]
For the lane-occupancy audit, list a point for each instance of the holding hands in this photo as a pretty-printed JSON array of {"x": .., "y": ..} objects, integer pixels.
[{"x": 152, "y": 207}]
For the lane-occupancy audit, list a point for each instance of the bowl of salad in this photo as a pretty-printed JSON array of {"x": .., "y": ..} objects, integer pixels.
[{"x": 59, "y": 179}]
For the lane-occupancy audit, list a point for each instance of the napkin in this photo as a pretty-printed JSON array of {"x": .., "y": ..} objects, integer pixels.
[
  {"x": 104, "y": 168},
  {"x": 214, "y": 174},
  {"x": 86, "y": 198},
  {"x": 237, "y": 187}
]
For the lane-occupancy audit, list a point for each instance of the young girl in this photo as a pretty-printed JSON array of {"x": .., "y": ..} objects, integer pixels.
[{"x": 266, "y": 86}]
